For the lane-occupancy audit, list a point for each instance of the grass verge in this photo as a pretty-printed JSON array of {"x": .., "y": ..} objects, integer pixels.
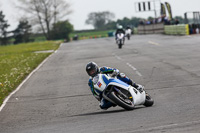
[
  {"x": 17, "y": 61},
  {"x": 90, "y": 34}
]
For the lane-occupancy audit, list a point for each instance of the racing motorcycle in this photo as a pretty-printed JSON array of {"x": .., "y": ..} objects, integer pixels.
[
  {"x": 120, "y": 40},
  {"x": 128, "y": 33},
  {"x": 120, "y": 93}
]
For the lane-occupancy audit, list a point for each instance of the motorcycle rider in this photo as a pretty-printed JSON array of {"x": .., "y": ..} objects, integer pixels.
[
  {"x": 128, "y": 31},
  {"x": 128, "y": 27},
  {"x": 119, "y": 30},
  {"x": 93, "y": 69}
]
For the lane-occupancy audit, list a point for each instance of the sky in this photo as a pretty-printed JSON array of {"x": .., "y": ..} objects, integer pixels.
[{"x": 121, "y": 9}]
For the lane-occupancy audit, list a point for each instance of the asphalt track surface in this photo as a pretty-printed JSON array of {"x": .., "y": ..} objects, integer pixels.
[{"x": 56, "y": 99}]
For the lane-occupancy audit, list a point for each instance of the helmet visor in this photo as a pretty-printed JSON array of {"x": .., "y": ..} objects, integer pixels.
[{"x": 92, "y": 72}]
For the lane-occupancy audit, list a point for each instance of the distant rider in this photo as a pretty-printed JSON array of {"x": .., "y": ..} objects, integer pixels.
[
  {"x": 92, "y": 69},
  {"x": 128, "y": 27},
  {"x": 128, "y": 31}
]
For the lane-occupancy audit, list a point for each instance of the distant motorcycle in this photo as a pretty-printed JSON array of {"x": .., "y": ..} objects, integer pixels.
[
  {"x": 120, "y": 40},
  {"x": 128, "y": 33},
  {"x": 120, "y": 93}
]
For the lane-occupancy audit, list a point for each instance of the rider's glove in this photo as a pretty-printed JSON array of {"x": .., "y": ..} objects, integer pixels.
[{"x": 115, "y": 72}]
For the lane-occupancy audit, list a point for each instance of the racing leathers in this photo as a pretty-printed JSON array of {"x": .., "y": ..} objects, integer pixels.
[
  {"x": 119, "y": 31},
  {"x": 105, "y": 104}
]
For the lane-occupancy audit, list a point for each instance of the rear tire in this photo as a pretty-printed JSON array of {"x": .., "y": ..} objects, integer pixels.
[
  {"x": 148, "y": 101},
  {"x": 120, "y": 102}
]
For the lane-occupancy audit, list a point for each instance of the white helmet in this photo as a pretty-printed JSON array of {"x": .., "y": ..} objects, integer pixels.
[{"x": 120, "y": 27}]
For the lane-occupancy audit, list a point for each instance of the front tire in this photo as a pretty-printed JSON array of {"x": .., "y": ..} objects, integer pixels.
[
  {"x": 128, "y": 105},
  {"x": 148, "y": 101},
  {"x": 120, "y": 46}
]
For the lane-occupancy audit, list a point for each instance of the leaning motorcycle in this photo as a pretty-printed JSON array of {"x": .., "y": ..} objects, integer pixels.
[
  {"x": 120, "y": 40},
  {"x": 120, "y": 93}
]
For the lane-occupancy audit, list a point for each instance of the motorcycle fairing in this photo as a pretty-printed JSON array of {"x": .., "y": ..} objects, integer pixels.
[{"x": 103, "y": 81}]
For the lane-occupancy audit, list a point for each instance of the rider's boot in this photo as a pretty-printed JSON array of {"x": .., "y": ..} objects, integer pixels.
[
  {"x": 127, "y": 80},
  {"x": 105, "y": 104},
  {"x": 137, "y": 86}
]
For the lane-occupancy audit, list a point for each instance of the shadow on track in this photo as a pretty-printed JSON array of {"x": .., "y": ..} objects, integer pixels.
[{"x": 104, "y": 112}]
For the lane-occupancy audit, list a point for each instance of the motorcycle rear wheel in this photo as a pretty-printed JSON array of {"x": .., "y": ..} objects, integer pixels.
[{"x": 124, "y": 103}]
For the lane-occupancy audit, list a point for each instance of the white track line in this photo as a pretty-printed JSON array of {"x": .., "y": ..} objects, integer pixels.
[
  {"x": 154, "y": 43},
  {"x": 18, "y": 88},
  {"x": 119, "y": 58},
  {"x": 134, "y": 69},
  {"x": 61, "y": 44},
  {"x": 137, "y": 72}
]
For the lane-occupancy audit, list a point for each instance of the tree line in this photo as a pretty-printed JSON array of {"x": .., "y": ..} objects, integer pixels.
[{"x": 104, "y": 20}]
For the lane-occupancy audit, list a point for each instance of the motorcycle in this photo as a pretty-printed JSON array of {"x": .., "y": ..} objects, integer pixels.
[
  {"x": 128, "y": 33},
  {"x": 120, "y": 93},
  {"x": 120, "y": 40}
]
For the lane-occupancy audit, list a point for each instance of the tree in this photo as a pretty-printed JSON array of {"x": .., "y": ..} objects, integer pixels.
[
  {"x": 111, "y": 25},
  {"x": 3, "y": 29},
  {"x": 22, "y": 32},
  {"x": 99, "y": 19},
  {"x": 45, "y": 13},
  {"x": 124, "y": 22},
  {"x": 135, "y": 21},
  {"x": 61, "y": 30}
]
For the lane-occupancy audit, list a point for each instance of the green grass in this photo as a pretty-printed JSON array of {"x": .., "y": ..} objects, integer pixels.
[
  {"x": 17, "y": 61},
  {"x": 91, "y": 34},
  {"x": 84, "y": 34}
]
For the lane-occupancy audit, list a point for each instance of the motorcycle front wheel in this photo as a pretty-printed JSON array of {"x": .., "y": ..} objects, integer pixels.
[
  {"x": 120, "y": 45},
  {"x": 148, "y": 101},
  {"x": 120, "y": 101}
]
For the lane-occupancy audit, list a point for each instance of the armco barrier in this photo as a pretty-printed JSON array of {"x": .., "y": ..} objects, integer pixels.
[{"x": 182, "y": 29}]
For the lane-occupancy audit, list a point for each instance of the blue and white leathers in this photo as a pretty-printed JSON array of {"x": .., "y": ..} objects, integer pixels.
[
  {"x": 103, "y": 81},
  {"x": 107, "y": 70}
]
